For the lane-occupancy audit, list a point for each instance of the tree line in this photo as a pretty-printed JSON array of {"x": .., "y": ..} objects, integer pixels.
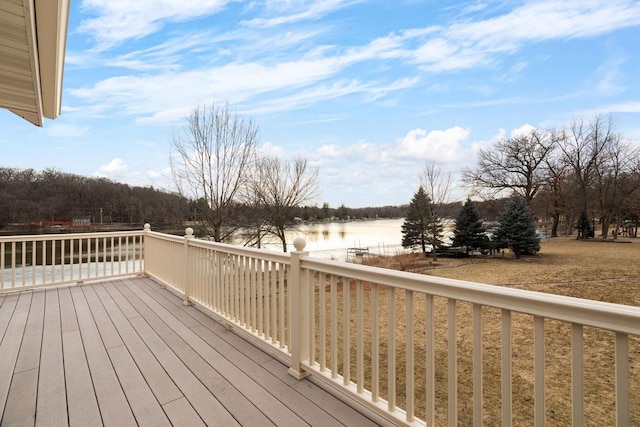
[
  {"x": 28, "y": 196},
  {"x": 423, "y": 228},
  {"x": 574, "y": 175},
  {"x": 51, "y": 196}
]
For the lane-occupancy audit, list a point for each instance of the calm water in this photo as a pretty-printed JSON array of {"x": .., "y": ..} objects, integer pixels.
[{"x": 333, "y": 239}]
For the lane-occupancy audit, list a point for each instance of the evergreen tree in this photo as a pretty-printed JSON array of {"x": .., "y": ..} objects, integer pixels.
[
  {"x": 469, "y": 231},
  {"x": 584, "y": 226},
  {"x": 435, "y": 230},
  {"x": 422, "y": 226},
  {"x": 516, "y": 229}
]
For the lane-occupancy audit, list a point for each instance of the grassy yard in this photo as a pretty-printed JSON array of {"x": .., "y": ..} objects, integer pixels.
[
  {"x": 604, "y": 271},
  {"x": 594, "y": 269}
]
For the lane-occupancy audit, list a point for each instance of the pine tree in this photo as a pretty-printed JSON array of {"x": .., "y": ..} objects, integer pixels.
[
  {"x": 584, "y": 226},
  {"x": 422, "y": 226},
  {"x": 516, "y": 229},
  {"x": 469, "y": 231},
  {"x": 435, "y": 230}
]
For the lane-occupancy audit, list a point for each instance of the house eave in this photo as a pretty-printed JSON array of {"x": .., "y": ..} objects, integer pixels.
[{"x": 33, "y": 36}]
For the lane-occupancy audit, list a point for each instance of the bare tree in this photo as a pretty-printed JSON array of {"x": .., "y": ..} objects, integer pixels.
[
  {"x": 615, "y": 181},
  {"x": 556, "y": 191},
  {"x": 515, "y": 164},
  {"x": 437, "y": 185},
  {"x": 210, "y": 160},
  {"x": 583, "y": 149},
  {"x": 280, "y": 187}
]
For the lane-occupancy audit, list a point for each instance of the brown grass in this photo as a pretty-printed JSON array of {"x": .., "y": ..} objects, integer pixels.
[{"x": 594, "y": 270}]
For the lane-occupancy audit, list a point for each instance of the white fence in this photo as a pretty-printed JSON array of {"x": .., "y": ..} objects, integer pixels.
[
  {"x": 416, "y": 349},
  {"x": 48, "y": 260}
]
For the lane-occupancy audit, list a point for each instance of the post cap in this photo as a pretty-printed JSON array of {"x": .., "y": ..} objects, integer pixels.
[
  {"x": 188, "y": 232},
  {"x": 299, "y": 243},
  {"x": 147, "y": 226}
]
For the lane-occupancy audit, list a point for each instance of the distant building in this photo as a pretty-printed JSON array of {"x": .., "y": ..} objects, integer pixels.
[{"x": 81, "y": 222}]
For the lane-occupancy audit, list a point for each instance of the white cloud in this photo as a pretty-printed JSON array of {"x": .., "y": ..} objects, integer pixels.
[
  {"x": 329, "y": 150},
  {"x": 115, "y": 168},
  {"x": 476, "y": 146},
  {"x": 519, "y": 67},
  {"x": 268, "y": 149},
  {"x": 59, "y": 130},
  {"x": 146, "y": 95},
  {"x": 623, "y": 107},
  {"x": 288, "y": 71},
  {"x": 442, "y": 146},
  {"x": 387, "y": 170},
  {"x": 543, "y": 20},
  {"x": 287, "y": 11},
  {"x": 523, "y": 130},
  {"x": 159, "y": 178},
  {"x": 166, "y": 55},
  {"x": 606, "y": 79},
  {"x": 371, "y": 91},
  {"x": 159, "y": 173},
  {"x": 68, "y": 109},
  {"x": 632, "y": 107},
  {"x": 120, "y": 20},
  {"x": 466, "y": 44}
]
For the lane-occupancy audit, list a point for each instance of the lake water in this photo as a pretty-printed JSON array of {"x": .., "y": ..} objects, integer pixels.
[{"x": 334, "y": 239}]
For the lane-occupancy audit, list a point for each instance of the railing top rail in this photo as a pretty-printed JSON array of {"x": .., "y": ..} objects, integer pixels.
[
  {"x": 67, "y": 236},
  {"x": 163, "y": 236},
  {"x": 282, "y": 258},
  {"x": 614, "y": 317}
]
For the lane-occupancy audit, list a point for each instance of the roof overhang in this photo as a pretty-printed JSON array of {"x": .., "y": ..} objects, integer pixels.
[{"x": 33, "y": 37}]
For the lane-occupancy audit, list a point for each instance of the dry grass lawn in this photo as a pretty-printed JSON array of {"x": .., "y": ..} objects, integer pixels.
[{"x": 595, "y": 270}]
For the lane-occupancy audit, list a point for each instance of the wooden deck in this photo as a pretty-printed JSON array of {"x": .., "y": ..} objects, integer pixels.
[{"x": 127, "y": 352}]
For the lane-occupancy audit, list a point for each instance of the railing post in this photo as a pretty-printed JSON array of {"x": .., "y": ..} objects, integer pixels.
[
  {"x": 143, "y": 243},
  {"x": 188, "y": 235},
  {"x": 299, "y": 314}
]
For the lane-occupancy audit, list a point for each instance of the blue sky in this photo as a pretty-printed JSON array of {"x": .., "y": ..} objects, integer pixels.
[{"x": 367, "y": 91}]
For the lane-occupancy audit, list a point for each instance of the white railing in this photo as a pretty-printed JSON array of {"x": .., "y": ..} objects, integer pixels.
[
  {"x": 247, "y": 287},
  {"x": 48, "y": 260},
  {"x": 416, "y": 349},
  {"x": 443, "y": 350}
]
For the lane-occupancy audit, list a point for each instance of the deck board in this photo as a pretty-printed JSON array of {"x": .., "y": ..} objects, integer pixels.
[
  {"x": 52, "y": 402},
  {"x": 260, "y": 365},
  {"x": 68, "y": 319},
  {"x": 112, "y": 401},
  {"x": 82, "y": 403},
  {"x": 181, "y": 412},
  {"x": 207, "y": 406},
  {"x": 21, "y": 402},
  {"x": 16, "y": 319},
  {"x": 275, "y": 410},
  {"x": 29, "y": 356},
  {"x": 159, "y": 381},
  {"x": 145, "y": 407},
  {"x": 128, "y": 352}
]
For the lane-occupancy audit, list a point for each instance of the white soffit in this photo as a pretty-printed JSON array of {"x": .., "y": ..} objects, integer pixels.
[{"x": 33, "y": 37}]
